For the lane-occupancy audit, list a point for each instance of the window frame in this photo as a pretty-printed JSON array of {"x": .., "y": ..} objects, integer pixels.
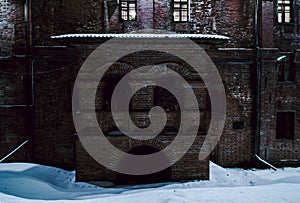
[
  {"x": 127, "y": 9},
  {"x": 283, "y": 4},
  {"x": 180, "y": 9},
  {"x": 287, "y": 122},
  {"x": 286, "y": 67}
]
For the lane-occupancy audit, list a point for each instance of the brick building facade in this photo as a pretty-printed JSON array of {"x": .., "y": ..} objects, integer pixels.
[{"x": 258, "y": 65}]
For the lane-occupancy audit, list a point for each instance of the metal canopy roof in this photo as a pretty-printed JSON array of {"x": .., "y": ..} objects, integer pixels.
[{"x": 142, "y": 35}]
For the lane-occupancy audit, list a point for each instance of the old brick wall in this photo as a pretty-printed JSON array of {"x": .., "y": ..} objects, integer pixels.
[
  {"x": 236, "y": 68},
  {"x": 231, "y": 18},
  {"x": 12, "y": 26},
  {"x": 13, "y": 80},
  {"x": 87, "y": 169},
  {"x": 286, "y": 36},
  {"x": 267, "y": 24},
  {"x": 189, "y": 167},
  {"x": 13, "y": 109},
  {"x": 162, "y": 15},
  {"x": 6, "y": 27},
  {"x": 276, "y": 97},
  {"x": 63, "y": 17},
  {"x": 55, "y": 72},
  {"x": 56, "y": 69}
]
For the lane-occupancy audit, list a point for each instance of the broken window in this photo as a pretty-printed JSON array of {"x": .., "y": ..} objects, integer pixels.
[
  {"x": 128, "y": 10},
  {"x": 180, "y": 10},
  {"x": 286, "y": 68},
  {"x": 285, "y": 11},
  {"x": 285, "y": 125}
]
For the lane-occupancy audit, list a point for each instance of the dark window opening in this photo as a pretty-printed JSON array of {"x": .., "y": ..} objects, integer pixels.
[
  {"x": 285, "y": 125},
  {"x": 286, "y": 68},
  {"x": 285, "y": 11},
  {"x": 128, "y": 10},
  {"x": 167, "y": 101},
  {"x": 180, "y": 10},
  {"x": 238, "y": 125},
  {"x": 108, "y": 90}
]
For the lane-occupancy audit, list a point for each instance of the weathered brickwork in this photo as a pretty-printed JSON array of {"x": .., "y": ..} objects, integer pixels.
[
  {"x": 63, "y": 17},
  {"x": 267, "y": 24},
  {"x": 53, "y": 124},
  {"x": 6, "y": 27},
  {"x": 142, "y": 102},
  {"x": 11, "y": 26},
  {"x": 236, "y": 67},
  {"x": 13, "y": 109},
  {"x": 287, "y": 35},
  {"x": 48, "y": 123},
  {"x": 278, "y": 96}
]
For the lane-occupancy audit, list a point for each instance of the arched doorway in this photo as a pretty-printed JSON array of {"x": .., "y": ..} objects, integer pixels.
[{"x": 162, "y": 176}]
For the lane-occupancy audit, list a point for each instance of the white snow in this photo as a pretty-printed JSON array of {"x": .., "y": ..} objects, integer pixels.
[{"x": 23, "y": 182}]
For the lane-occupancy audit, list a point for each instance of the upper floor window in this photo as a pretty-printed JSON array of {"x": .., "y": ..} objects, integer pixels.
[
  {"x": 285, "y": 11},
  {"x": 285, "y": 68},
  {"x": 180, "y": 10},
  {"x": 128, "y": 10}
]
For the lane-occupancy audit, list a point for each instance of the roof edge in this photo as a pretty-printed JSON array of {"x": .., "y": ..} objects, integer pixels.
[{"x": 142, "y": 35}]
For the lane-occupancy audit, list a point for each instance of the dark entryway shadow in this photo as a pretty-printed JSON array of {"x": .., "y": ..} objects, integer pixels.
[{"x": 158, "y": 177}]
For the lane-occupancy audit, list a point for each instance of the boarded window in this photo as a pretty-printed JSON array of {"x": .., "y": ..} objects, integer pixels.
[{"x": 285, "y": 125}]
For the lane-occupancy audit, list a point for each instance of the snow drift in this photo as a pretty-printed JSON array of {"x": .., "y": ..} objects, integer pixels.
[{"x": 23, "y": 182}]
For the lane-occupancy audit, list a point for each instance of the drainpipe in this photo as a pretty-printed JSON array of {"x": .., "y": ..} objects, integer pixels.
[
  {"x": 258, "y": 77},
  {"x": 29, "y": 82},
  {"x": 106, "y": 20}
]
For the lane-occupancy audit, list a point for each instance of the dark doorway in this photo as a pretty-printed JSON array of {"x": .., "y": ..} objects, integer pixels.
[{"x": 162, "y": 176}]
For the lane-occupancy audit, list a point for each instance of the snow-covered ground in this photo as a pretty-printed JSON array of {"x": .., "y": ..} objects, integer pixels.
[{"x": 20, "y": 182}]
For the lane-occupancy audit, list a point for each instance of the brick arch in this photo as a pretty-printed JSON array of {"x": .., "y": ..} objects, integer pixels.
[
  {"x": 128, "y": 145},
  {"x": 118, "y": 69},
  {"x": 140, "y": 148},
  {"x": 110, "y": 79},
  {"x": 185, "y": 72}
]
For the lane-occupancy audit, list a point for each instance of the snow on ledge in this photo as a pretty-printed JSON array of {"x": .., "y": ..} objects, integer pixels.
[{"x": 142, "y": 35}]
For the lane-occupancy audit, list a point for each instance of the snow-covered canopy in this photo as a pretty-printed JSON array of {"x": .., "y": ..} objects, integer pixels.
[{"x": 143, "y": 35}]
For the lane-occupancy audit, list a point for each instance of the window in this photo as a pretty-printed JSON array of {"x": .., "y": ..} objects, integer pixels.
[
  {"x": 180, "y": 10},
  {"x": 239, "y": 125},
  {"x": 128, "y": 10},
  {"x": 285, "y": 125},
  {"x": 285, "y": 11},
  {"x": 286, "y": 68}
]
